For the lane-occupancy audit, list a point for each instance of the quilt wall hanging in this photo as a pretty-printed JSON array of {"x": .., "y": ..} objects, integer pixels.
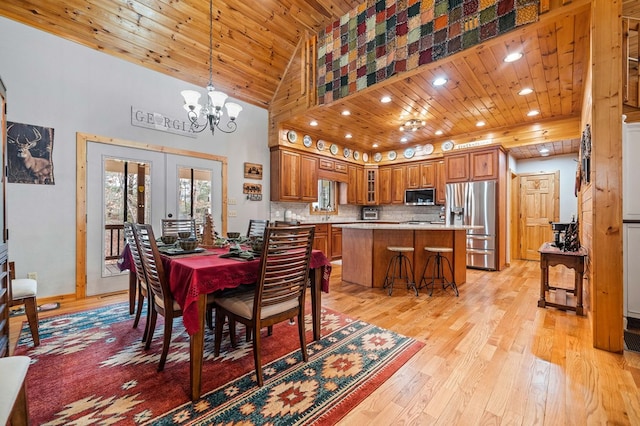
[
  {"x": 29, "y": 154},
  {"x": 382, "y": 38}
]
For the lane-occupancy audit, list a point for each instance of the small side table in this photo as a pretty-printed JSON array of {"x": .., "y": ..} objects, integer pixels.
[{"x": 552, "y": 256}]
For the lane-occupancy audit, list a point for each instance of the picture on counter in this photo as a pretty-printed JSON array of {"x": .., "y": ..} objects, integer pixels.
[
  {"x": 252, "y": 171},
  {"x": 29, "y": 153},
  {"x": 252, "y": 188}
]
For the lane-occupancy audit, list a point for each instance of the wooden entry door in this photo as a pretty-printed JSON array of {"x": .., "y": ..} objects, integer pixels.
[{"x": 539, "y": 205}]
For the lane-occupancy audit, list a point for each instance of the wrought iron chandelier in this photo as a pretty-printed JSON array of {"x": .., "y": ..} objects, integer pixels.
[{"x": 215, "y": 99}]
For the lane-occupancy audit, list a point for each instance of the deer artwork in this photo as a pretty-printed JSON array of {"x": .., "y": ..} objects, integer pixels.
[{"x": 39, "y": 168}]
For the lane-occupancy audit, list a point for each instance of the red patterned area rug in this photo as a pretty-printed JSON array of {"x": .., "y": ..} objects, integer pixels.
[{"x": 91, "y": 368}]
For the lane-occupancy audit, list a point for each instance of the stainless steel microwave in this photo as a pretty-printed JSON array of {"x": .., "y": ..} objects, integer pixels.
[{"x": 420, "y": 197}]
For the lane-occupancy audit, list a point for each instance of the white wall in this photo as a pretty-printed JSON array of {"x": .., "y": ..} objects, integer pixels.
[
  {"x": 567, "y": 165},
  {"x": 55, "y": 83}
]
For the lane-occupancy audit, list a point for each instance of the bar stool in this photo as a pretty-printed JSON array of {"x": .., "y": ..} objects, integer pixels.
[
  {"x": 396, "y": 264},
  {"x": 438, "y": 272}
]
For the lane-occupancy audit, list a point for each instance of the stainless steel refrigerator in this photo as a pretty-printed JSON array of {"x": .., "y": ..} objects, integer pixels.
[{"x": 474, "y": 204}]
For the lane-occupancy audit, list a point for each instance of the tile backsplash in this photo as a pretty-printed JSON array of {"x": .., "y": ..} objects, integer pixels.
[{"x": 347, "y": 213}]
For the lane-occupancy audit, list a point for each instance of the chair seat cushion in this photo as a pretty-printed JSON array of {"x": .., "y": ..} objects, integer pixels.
[
  {"x": 242, "y": 305},
  {"x": 13, "y": 371},
  {"x": 22, "y": 288}
]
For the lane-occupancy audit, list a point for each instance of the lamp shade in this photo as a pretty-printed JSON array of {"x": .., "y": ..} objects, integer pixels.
[
  {"x": 191, "y": 98},
  {"x": 233, "y": 110},
  {"x": 217, "y": 98}
]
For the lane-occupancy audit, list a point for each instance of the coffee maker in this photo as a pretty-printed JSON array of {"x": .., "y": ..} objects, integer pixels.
[{"x": 559, "y": 232}]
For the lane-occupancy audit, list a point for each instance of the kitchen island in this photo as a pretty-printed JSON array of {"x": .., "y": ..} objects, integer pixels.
[{"x": 365, "y": 256}]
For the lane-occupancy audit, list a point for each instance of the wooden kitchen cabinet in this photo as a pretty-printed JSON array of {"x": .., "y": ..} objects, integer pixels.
[
  {"x": 428, "y": 174},
  {"x": 360, "y": 186},
  {"x": 457, "y": 167},
  {"x": 441, "y": 182},
  {"x": 397, "y": 185},
  {"x": 294, "y": 176},
  {"x": 371, "y": 186},
  {"x": 484, "y": 165},
  {"x": 384, "y": 175},
  {"x": 321, "y": 239},
  {"x": 336, "y": 242},
  {"x": 412, "y": 172}
]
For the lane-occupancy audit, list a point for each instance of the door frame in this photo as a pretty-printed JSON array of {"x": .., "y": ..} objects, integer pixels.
[{"x": 82, "y": 139}]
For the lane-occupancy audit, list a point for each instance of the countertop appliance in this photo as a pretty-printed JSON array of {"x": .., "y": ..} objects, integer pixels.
[
  {"x": 474, "y": 204},
  {"x": 370, "y": 213},
  {"x": 420, "y": 197}
]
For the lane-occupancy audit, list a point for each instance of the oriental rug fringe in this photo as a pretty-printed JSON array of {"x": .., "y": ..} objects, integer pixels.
[{"x": 91, "y": 368}]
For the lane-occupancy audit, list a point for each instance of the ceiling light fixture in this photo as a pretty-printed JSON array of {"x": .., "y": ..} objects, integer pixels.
[
  {"x": 215, "y": 99},
  {"x": 348, "y": 136},
  {"x": 346, "y": 112},
  {"x": 480, "y": 123},
  {"x": 440, "y": 81},
  {"x": 525, "y": 91},
  {"x": 375, "y": 145},
  {"x": 512, "y": 57},
  {"x": 385, "y": 99},
  {"x": 413, "y": 125},
  {"x": 439, "y": 132},
  {"x": 403, "y": 140},
  {"x": 533, "y": 113},
  {"x": 544, "y": 151},
  {"x": 313, "y": 123}
]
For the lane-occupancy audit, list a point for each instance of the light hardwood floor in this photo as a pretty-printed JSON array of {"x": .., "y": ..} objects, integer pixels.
[{"x": 491, "y": 356}]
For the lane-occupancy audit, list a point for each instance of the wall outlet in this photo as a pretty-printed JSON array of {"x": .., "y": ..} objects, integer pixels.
[
  {"x": 32, "y": 275},
  {"x": 233, "y": 213}
]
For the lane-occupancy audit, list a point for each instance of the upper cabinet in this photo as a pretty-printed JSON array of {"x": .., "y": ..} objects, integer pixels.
[
  {"x": 372, "y": 186},
  {"x": 440, "y": 182},
  {"x": 473, "y": 166},
  {"x": 384, "y": 184},
  {"x": 428, "y": 174},
  {"x": 294, "y": 176}
]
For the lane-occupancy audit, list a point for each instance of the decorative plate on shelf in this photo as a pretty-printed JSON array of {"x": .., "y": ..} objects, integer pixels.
[
  {"x": 333, "y": 148},
  {"x": 356, "y": 155},
  {"x": 447, "y": 146},
  {"x": 346, "y": 152},
  {"x": 377, "y": 157},
  {"x": 391, "y": 155},
  {"x": 409, "y": 153},
  {"x": 292, "y": 136},
  {"x": 428, "y": 149},
  {"x": 320, "y": 145},
  {"x": 365, "y": 157},
  {"x": 306, "y": 141}
]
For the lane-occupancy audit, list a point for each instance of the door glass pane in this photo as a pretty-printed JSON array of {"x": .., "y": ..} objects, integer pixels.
[
  {"x": 194, "y": 193},
  {"x": 124, "y": 201}
]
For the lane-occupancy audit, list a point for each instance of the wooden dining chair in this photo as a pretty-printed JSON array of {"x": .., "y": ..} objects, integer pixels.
[
  {"x": 159, "y": 291},
  {"x": 279, "y": 294},
  {"x": 174, "y": 226},
  {"x": 23, "y": 291},
  {"x": 141, "y": 287},
  {"x": 257, "y": 227},
  {"x": 287, "y": 223}
]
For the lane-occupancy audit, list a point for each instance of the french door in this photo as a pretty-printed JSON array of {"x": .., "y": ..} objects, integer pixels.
[{"x": 130, "y": 184}]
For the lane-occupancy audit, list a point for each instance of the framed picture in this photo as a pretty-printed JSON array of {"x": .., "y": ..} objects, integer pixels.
[
  {"x": 29, "y": 157},
  {"x": 253, "y": 171}
]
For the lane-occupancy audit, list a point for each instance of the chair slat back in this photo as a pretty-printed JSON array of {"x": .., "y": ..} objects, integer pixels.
[
  {"x": 152, "y": 263},
  {"x": 257, "y": 227},
  {"x": 173, "y": 226},
  {"x": 130, "y": 236},
  {"x": 284, "y": 269}
]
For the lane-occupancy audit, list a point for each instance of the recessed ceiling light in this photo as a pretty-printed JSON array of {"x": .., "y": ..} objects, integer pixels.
[
  {"x": 313, "y": 123},
  {"x": 348, "y": 136},
  {"x": 439, "y": 81},
  {"x": 375, "y": 145},
  {"x": 385, "y": 99},
  {"x": 533, "y": 113},
  {"x": 439, "y": 132},
  {"x": 512, "y": 57},
  {"x": 403, "y": 140},
  {"x": 480, "y": 123},
  {"x": 525, "y": 91},
  {"x": 346, "y": 112},
  {"x": 543, "y": 150}
]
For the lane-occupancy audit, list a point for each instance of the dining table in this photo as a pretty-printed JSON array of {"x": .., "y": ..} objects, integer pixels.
[{"x": 193, "y": 276}]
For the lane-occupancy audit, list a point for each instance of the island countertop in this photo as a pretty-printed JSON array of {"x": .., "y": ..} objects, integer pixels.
[{"x": 405, "y": 226}]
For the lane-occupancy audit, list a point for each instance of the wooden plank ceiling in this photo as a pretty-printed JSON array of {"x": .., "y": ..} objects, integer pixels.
[{"x": 254, "y": 42}]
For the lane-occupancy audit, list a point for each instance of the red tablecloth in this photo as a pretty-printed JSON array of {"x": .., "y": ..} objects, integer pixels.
[{"x": 205, "y": 273}]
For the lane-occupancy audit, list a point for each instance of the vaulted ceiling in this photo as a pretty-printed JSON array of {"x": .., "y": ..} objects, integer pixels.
[{"x": 254, "y": 42}]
